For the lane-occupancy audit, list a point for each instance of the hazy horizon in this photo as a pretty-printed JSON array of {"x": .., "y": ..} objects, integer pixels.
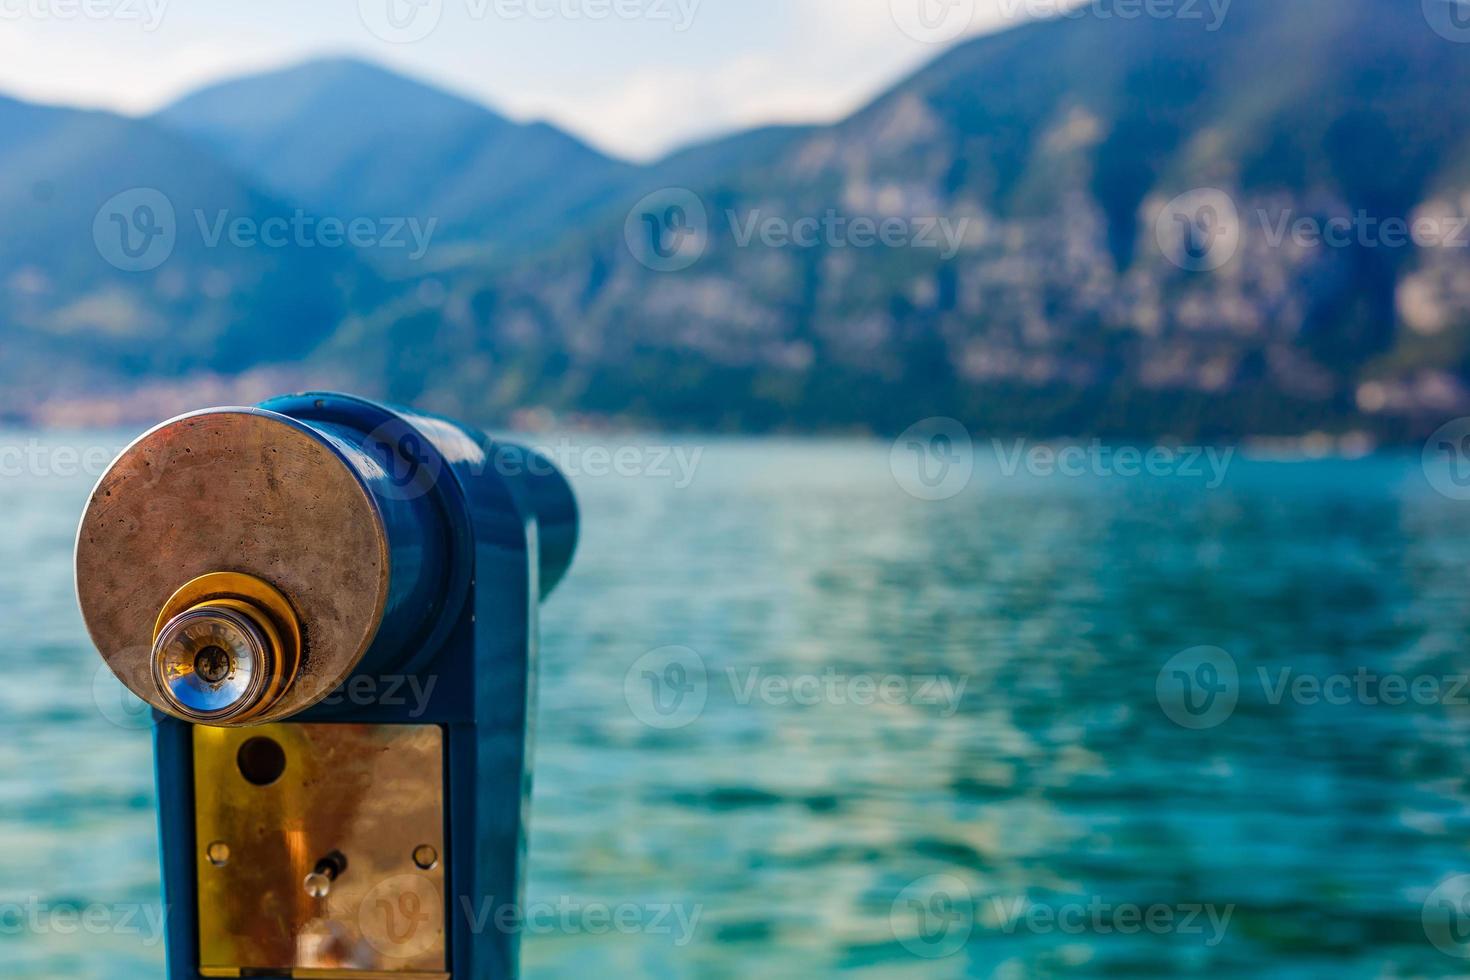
[{"x": 667, "y": 74}]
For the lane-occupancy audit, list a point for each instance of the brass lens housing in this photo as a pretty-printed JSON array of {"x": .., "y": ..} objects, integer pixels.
[{"x": 225, "y": 648}]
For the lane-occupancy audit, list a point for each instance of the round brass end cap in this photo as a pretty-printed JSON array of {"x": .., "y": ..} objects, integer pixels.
[{"x": 233, "y": 567}]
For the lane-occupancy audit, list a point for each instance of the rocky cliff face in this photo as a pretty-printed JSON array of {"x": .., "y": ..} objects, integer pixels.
[{"x": 1218, "y": 221}]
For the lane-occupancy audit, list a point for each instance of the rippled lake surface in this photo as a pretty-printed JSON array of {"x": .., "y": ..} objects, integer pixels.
[{"x": 795, "y": 721}]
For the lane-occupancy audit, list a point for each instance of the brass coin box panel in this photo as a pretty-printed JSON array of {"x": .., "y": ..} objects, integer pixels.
[{"x": 334, "y": 868}]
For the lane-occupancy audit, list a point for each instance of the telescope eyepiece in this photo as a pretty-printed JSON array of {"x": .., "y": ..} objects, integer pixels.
[
  {"x": 226, "y": 647},
  {"x": 214, "y": 663}
]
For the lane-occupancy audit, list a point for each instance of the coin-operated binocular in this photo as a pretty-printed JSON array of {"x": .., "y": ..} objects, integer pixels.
[{"x": 331, "y": 605}]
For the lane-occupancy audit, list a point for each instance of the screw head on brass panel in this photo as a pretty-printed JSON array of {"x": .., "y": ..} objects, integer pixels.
[{"x": 426, "y": 857}]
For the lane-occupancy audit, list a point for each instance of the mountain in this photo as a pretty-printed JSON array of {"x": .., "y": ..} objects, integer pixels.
[
  {"x": 1068, "y": 305},
  {"x": 1091, "y": 225},
  {"x": 350, "y": 139},
  {"x": 110, "y": 271}
]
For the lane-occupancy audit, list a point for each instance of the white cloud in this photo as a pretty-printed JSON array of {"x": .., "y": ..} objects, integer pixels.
[{"x": 634, "y": 88}]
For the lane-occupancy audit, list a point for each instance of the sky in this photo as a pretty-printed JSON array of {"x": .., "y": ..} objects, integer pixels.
[{"x": 633, "y": 77}]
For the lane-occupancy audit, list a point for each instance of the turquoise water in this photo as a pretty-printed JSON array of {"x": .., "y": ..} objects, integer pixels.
[{"x": 1012, "y": 805}]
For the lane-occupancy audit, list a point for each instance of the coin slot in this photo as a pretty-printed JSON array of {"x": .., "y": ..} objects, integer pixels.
[
  {"x": 261, "y": 761},
  {"x": 218, "y": 854}
]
